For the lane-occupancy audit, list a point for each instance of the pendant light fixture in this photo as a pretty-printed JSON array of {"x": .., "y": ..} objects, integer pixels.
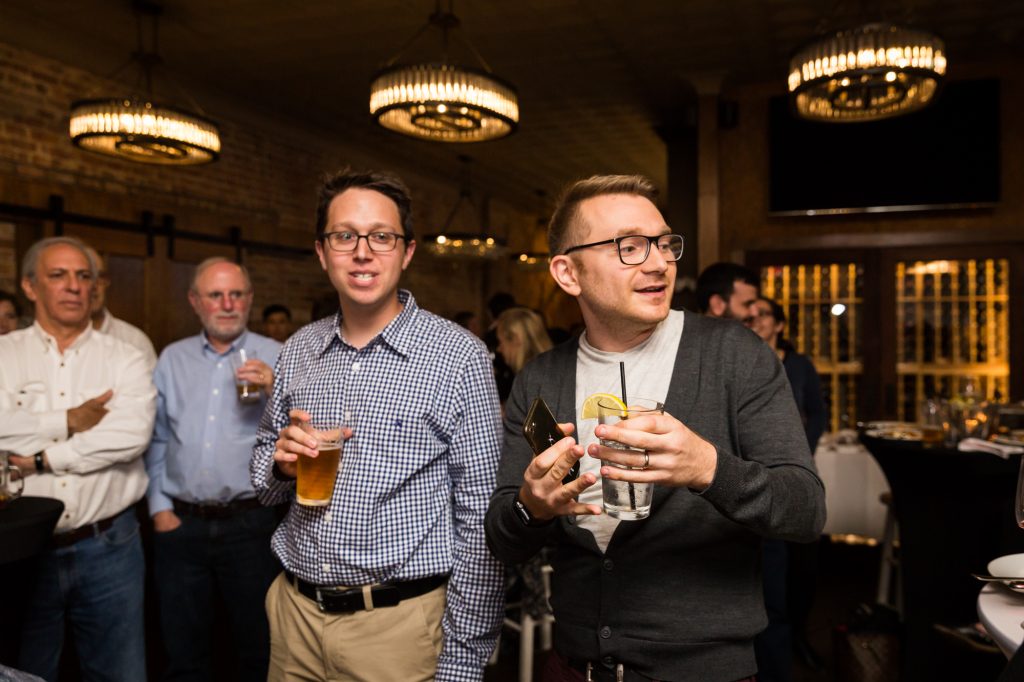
[
  {"x": 137, "y": 128},
  {"x": 481, "y": 244},
  {"x": 442, "y": 101},
  {"x": 875, "y": 71}
]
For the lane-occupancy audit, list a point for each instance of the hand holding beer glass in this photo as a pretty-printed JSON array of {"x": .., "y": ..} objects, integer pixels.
[
  {"x": 248, "y": 392},
  {"x": 316, "y": 475}
]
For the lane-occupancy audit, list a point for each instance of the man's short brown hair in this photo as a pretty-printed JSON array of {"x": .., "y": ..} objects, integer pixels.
[
  {"x": 388, "y": 184},
  {"x": 566, "y": 223}
]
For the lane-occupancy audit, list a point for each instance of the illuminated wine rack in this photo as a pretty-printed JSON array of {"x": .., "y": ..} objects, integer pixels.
[
  {"x": 952, "y": 325},
  {"x": 823, "y": 307}
]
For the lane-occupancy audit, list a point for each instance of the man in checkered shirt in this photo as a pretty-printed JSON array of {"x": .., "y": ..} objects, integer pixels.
[{"x": 391, "y": 580}]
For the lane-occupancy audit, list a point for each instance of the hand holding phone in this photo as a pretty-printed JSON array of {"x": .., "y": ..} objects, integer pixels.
[{"x": 541, "y": 431}]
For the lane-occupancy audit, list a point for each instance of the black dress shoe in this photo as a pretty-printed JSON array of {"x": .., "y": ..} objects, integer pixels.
[{"x": 806, "y": 654}]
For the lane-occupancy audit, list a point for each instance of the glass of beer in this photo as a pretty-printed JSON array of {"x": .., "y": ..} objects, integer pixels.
[
  {"x": 8, "y": 475},
  {"x": 247, "y": 393},
  {"x": 622, "y": 499},
  {"x": 316, "y": 478}
]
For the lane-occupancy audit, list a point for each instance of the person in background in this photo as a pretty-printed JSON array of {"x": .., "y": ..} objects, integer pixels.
[
  {"x": 469, "y": 320},
  {"x": 211, "y": 533},
  {"x": 730, "y": 291},
  {"x": 277, "y": 322},
  {"x": 76, "y": 411},
  {"x": 769, "y": 322},
  {"x": 521, "y": 337},
  {"x": 10, "y": 312},
  {"x": 727, "y": 290},
  {"x": 503, "y": 374},
  {"x": 103, "y": 321},
  {"x": 391, "y": 580}
]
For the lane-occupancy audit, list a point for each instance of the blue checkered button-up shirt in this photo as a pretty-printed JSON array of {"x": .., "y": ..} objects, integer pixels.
[{"x": 415, "y": 476}]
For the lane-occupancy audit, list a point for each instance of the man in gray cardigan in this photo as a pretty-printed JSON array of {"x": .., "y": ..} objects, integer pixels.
[{"x": 676, "y": 596}]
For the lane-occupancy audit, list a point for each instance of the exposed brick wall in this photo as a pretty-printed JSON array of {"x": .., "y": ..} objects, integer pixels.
[{"x": 264, "y": 182}]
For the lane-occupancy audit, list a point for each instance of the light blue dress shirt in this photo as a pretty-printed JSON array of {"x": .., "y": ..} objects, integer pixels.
[{"x": 203, "y": 437}]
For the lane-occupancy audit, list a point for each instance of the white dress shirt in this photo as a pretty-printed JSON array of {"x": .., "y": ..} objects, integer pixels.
[
  {"x": 99, "y": 472},
  {"x": 130, "y": 334}
]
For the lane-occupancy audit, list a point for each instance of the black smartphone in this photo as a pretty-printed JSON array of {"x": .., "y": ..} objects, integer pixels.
[{"x": 541, "y": 431}]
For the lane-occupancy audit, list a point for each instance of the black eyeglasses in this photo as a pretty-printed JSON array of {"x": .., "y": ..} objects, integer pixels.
[
  {"x": 379, "y": 242},
  {"x": 634, "y": 248}
]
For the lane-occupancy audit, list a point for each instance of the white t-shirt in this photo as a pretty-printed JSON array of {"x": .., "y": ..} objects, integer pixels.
[{"x": 648, "y": 374}]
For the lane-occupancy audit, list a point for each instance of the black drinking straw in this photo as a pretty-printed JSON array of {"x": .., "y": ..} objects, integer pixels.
[{"x": 622, "y": 382}]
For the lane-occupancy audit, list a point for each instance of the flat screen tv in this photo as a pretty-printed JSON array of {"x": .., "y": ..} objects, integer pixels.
[{"x": 943, "y": 157}]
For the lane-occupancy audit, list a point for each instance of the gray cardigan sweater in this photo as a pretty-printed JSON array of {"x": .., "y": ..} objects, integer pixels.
[{"x": 677, "y": 596}]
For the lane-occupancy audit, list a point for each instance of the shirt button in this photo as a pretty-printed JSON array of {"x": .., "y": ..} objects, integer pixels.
[
  {"x": 348, "y": 416},
  {"x": 207, "y": 445},
  {"x": 62, "y": 394},
  {"x": 355, "y": 366},
  {"x": 327, "y": 517},
  {"x": 609, "y": 564},
  {"x": 327, "y": 568},
  {"x": 606, "y": 632},
  {"x": 211, "y": 417},
  {"x": 216, "y": 391}
]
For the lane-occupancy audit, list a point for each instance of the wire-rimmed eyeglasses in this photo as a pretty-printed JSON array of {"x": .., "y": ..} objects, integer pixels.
[
  {"x": 378, "y": 242},
  {"x": 634, "y": 248}
]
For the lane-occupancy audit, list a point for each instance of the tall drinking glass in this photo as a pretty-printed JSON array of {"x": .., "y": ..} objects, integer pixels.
[
  {"x": 624, "y": 500},
  {"x": 316, "y": 475},
  {"x": 247, "y": 393}
]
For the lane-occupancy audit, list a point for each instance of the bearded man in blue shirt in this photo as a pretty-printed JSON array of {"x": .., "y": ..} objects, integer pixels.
[
  {"x": 211, "y": 533},
  {"x": 391, "y": 580}
]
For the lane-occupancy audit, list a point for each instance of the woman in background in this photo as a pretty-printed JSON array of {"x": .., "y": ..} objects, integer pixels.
[
  {"x": 521, "y": 337},
  {"x": 797, "y": 562},
  {"x": 9, "y": 313}
]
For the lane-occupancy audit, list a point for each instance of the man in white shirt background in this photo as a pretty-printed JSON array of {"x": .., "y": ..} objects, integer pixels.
[
  {"x": 76, "y": 412},
  {"x": 103, "y": 321}
]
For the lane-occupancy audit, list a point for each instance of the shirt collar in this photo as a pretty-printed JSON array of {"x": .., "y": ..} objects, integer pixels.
[
  {"x": 49, "y": 341},
  {"x": 105, "y": 325},
  {"x": 398, "y": 333},
  {"x": 204, "y": 342}
]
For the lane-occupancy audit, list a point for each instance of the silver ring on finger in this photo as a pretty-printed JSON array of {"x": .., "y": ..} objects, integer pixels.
[{"x": 647, "y": 460}]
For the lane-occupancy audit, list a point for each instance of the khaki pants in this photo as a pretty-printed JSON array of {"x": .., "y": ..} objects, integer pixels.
[{"x": 399, "y": 643}]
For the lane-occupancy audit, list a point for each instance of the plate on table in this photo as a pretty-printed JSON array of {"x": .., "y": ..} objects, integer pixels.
[
  {"x": 1012, "y": 439},
  {"x": 894, "y": 431},
  {"x": 1009, "y": 566}
]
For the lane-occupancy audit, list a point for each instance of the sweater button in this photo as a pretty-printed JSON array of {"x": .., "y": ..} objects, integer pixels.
[
  {"x": 606, "y": 632},
  {"x": 609, "y": 564},
  {"x": 608, "y": 661}
]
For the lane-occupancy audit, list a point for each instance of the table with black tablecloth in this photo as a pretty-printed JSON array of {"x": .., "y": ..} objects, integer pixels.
[
  {"x": 26, "y": 526},
  {"x": 955, "y": 514}
]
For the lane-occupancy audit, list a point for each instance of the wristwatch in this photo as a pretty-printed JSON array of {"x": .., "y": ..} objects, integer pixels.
[
  {"x": 524, "y": 515},
  {"x": 40, "y": 465}
]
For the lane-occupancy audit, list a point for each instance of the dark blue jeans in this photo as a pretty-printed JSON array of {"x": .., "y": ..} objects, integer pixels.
[
  {"x": 97, "y": 584},
  {"x": 195, "y": 561},
  {"x": 773, "y": 647}
]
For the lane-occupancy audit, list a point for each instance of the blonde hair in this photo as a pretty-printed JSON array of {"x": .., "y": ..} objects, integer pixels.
[{"x": 528, "y": 327}]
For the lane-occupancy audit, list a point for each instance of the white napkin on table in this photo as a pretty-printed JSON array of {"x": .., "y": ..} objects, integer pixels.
[{"x": 979, "y": 445}]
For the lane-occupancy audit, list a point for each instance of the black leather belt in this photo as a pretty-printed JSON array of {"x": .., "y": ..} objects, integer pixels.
[
  {"x": 348, "y": 600},
  {"x": 214, "y": 511},
  {"x": 83, "y": 533}
]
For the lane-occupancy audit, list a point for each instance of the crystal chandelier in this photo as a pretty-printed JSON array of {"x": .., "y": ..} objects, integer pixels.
[
  {"x": 442, "y": 101},
  {"x": 138, "y": 129},
  {"x": 455, "y": 244},
  {"x": 875, "y": 71}
]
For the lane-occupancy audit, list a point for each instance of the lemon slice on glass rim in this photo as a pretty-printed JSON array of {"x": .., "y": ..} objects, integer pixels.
[{"x": 589, "y": 410}]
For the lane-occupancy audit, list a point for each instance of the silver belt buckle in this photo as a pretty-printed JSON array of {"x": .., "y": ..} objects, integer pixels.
[
  {"x": 320, "y": 600},
  {"x": 619, "y": 672}
]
